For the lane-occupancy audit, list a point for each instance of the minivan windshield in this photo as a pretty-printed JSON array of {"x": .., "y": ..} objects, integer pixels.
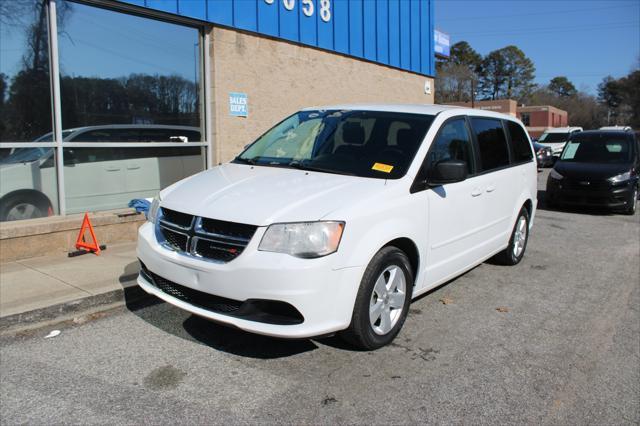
[
  {"x": 598, "y": 148},
  {"x": 553, "y": 137},
  {"x": 375, "y": 144}
]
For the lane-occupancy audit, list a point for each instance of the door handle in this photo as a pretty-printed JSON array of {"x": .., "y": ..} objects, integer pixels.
[
  {"x": 134, "y": 167},
  {"x": 476, "y": 192},
  {"x": 491, "y": 188},
  {"x": 112, "y": 168}
]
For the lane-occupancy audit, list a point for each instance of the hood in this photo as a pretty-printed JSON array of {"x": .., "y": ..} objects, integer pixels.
[
  {"x": 261, "y": 196},
  {"x": 595, "y": 171}
]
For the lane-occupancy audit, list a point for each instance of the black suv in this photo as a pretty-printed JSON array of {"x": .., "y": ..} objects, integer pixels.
[{"x": 597, "y": 168}]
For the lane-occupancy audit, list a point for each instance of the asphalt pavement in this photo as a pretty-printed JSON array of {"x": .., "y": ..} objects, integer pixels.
[{"x": 553, "y": 340}]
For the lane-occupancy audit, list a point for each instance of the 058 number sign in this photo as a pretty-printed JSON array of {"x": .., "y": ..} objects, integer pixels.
[{"x": 308, "y": 7}]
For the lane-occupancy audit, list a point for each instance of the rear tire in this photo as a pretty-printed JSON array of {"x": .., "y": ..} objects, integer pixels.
[
  {"x": 514, "y": 252},
  {"x": 383, "y": 300}
]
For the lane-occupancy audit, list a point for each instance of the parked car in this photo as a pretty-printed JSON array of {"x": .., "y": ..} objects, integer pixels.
[
  {"x": 622, "y": 128},
  {"x": 597, "y": 168},
  {"x": 544, "y": 155},
  {"x": 333, "y": 220},
  {"x": 556, "y": 137},
  {"x": 103, "y": 178}
]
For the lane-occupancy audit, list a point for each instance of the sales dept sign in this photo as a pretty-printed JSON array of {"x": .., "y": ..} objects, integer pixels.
[{"x": 238, "y": 104}]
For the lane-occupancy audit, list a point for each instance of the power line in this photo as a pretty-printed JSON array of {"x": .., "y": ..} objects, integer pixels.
[
  {"x": 605, "y": 25},
  {"x": 472, "y": 18}
]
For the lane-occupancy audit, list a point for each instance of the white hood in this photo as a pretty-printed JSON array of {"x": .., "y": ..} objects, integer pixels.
[{"x": 265, "y": 195}]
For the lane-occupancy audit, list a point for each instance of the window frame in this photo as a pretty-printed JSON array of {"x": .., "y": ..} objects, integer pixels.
[
  {"x": 479, "y": 171},
  {"x": 419, "y": 182},
  {"x": 58, "y": 143},
  {"x": 511, "y": 145}
]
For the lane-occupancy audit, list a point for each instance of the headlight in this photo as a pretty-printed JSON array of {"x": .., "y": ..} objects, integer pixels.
[
  {"x": 555, "y": 175},
  {"x": 620, "y": 178},
  {"x": 303, "y": 239},
  {"x": 154, "y": 209}
]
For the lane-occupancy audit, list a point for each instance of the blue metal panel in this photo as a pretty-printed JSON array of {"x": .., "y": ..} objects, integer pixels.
[
  {"x": 308, "y": 24},
  {"x": 325, "y": 29},
  {"x": 356, "y": 40},
  {"x": 289, "y": 23},
  {"x": 267, "y": 18},
  {"x": 340, "y": 20},
  {"x": 405, "y": 34},
  {"x": 382, "y": 30},
  {"x": 245, "y": 14},
  {"x": 425, "y": 66},
  {"x": 369, "y": 29},
  {"x": 193, "y": 9},
  {"x": 432, "y": 57},
  {"x": 170, "y": 6},
  {"x": 394, "y": 33},
  {"x": 220, "y": 11},
  {"x": 415, "y": 35}
]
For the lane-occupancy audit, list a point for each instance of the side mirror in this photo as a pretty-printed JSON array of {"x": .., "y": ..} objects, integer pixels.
[{"x": 447, "y": 171}]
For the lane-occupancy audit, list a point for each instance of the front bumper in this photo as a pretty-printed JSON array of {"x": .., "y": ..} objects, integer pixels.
[
  {"x": 324, "y": 296},
  {"x": 593, "y": 195}
]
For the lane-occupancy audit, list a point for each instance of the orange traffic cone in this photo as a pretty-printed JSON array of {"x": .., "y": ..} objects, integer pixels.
[{"x": 82, "y": 245}]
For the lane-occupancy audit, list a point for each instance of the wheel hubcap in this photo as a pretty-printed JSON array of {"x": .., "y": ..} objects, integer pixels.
[
  {"x": 520, "y": 236},
  {"x": 387, "y": 300},
  {"x": 22, "y": 211}
]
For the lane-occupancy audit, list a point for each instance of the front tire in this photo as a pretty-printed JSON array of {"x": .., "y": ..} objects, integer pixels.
[
  {"x": 383, "y": 300},
  {"x": 514, "y": 252},
  {"x": 631, "y": 209}
]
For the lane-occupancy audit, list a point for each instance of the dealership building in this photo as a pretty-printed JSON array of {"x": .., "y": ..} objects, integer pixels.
[{"x": 105, "y": 101}]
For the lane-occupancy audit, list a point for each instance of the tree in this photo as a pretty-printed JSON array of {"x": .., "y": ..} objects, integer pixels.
[
  {"x": 463, "y": 54},
  {"x": 507, "y": 73},
  {"x": 562, "y": 86},
  {"x": 492, "y": 75},
  {"x": 458, "y": 75},
  {"x": 621, "y": 98}
]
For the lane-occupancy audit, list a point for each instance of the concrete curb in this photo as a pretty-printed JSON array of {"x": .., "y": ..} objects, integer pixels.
[{"x": 129, "y": 295}]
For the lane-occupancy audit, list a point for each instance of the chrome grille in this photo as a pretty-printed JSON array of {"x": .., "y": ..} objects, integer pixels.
[{"x": 203, "y": 237}]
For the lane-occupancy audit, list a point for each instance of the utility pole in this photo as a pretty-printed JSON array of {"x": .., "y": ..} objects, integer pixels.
[{"x": 473, "y": 95}]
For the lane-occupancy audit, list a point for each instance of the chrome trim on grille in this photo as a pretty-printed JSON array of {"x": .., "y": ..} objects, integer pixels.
[{"x": 196, "y": 233}]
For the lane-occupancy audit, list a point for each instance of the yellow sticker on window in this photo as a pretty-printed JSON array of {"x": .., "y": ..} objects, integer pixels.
[{"x": 382, "y": 167}]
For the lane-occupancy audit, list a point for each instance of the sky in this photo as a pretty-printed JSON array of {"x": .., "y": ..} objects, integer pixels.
[{"x": 584, "y": 40}]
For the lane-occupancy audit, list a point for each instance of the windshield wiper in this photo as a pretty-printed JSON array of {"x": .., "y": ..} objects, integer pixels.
[
  {"x": 251, "y": 161},
  {"x": 299, "y": 165}
]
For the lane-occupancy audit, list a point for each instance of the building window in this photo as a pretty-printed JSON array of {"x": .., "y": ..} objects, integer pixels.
[
  {"x": 130, "y": 106},
  {"x": 525, "y": 117}
]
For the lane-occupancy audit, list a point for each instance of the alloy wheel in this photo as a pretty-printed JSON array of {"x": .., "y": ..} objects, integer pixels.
[{"x": 387, "y": 299}]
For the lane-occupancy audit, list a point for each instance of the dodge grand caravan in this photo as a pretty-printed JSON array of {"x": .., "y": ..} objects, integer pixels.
[{"x": 333, "y": 220}]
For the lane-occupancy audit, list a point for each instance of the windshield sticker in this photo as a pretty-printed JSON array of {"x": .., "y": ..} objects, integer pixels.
[
  {"x": 385, "y": 168},
  {"x": 570, "y": 151}
]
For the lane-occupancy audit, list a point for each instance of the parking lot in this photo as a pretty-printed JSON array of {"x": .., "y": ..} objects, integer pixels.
[{"x": 554, "y": 340}]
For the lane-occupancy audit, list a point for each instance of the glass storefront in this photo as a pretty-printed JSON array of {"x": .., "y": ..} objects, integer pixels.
[{"x": 129, "y": 105}]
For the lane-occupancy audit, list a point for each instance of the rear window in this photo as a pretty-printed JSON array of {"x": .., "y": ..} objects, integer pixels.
[
  {"x": 519, "y": 143},
  {"x": 492, "y": 143}
]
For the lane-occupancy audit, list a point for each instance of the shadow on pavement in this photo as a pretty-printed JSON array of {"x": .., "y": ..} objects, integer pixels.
[
  {"x": 179, "y": 323},
  {"x": 593, "y": 211},
  {"x": 238, "y": 342}
]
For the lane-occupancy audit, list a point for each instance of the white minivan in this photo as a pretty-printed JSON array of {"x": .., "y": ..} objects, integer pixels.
[{"x": 337, "y": 217}]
